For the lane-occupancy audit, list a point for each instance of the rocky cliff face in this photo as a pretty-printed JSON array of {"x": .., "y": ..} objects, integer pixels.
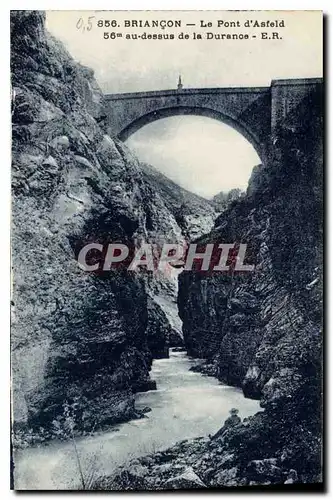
[
  {"x": 262, "y": 330},
  {"x": 194, "y": 214},
  {"x": 221, "y": 200},
  {"x": 82, "y": 340},
  {"x": 280, "y": 220}
]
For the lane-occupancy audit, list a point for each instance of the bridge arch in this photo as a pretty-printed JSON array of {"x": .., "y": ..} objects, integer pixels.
[{"x": 159, "y": 113}]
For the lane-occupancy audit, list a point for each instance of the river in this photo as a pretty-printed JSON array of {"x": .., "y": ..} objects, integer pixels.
[{"x": 186, "y": 404}]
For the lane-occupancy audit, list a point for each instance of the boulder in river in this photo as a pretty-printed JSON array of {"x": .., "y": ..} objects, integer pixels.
[{"x": 187, "y": 480}]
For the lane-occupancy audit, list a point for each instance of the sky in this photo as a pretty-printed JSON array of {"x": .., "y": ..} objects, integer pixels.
[
  {"x": 204, "y": 155},
  {"x": 195, "y": 152}
]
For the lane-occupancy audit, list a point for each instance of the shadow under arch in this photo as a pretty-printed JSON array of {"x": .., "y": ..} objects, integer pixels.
[{"x": 196, "y": 111}]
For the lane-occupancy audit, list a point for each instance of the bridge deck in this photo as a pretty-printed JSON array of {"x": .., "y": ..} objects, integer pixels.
[
  {"x": 212, "y": 90},
  {"x": 188, "y": 91}
]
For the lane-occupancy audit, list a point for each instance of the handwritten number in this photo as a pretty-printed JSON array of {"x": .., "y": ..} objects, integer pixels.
[
  {"x": 90, "y": 23},
  {"x": 80, "y": 25}
]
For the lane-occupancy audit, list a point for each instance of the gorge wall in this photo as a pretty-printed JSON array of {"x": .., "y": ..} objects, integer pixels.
[
  {"x": 80, "y": 339},
  {"x": 262, "y": 330},
  {"x": 252, "y": 325}
]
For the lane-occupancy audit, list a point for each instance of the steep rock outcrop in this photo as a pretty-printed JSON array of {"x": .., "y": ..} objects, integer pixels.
[
  {"x": 194, "y": 214},
  {"x": 262, "y": 330},
  {"x": 221, "y": 200},
  {"x": 158, "y": 331},
  {"x": 79, "y": 340}
]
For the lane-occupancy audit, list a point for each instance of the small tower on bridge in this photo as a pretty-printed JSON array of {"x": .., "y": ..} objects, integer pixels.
[{"x": 180, "y": 85}]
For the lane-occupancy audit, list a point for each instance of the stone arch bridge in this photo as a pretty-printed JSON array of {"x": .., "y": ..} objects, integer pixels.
[{"x": 255, "y": 112}]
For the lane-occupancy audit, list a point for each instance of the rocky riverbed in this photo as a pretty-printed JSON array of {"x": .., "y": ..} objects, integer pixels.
[{"x": 185, "y": 405}]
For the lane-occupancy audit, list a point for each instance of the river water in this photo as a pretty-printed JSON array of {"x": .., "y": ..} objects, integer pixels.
[{"x": 186, "y": 404}]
